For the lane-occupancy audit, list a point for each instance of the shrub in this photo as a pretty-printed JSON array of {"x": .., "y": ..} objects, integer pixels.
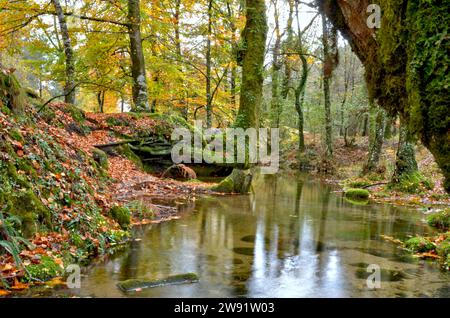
[
  {"x": 440, "y": 220},
  {"x": 419, "y": 244}
]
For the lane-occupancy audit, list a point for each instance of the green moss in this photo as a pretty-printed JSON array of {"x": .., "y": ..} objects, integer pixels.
[
  {"x": 419, "y": 244},
  {"x": 27, "y": 206},
  {"x": 440, "y": 220},
  {"x": 117, "y": 121},
  {"x": 122, "y": 215},
  {"x": 357, "y": 194},
  {"x": 126, "y": 151},
  {"x": 11, "y": 93},
  {"x": 76, "y": 113},
  {"x": 16, "y": 135},
  {"x": 46, "y": 269},
  {"x": 225, "y": 186}
]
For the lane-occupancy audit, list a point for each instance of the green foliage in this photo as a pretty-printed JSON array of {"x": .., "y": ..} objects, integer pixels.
[
  {"x": 419, "y": 244},
  {"x": 46, "y": 269},
  {"x": 13, "y": 242},
  {"x": 122, "y": 215},
  {"x": 440, "y": 220},
  {"x": 413, "y": 182}
]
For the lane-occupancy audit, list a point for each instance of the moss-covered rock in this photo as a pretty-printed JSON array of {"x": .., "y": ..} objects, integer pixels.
[
  {"x": 419, "y": 244},
  {"x": 136, "y": 284},
  {"x": 122, "y": 215},
  {"x": 440, "y": 220},
  {"x": 30, "y": 210},
  {"x": 239, "y": 181},
  {"x": 101, "y": 158},
  {"x": 357, "y": 194}
]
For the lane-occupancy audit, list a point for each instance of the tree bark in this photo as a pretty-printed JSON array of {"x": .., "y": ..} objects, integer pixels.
[
  {"x": 209, "y": 110},
  {"x": 252, "y": 54},
  {"x": 327, "y": 73},
  {"x": 286, "y": 47},
  {"x": 377, "y": 143},
  {"x": 140, "y": 89},
  {"x": 405, "y": 163},
  {"x": 276, "y": 67},
  {"x": 69, "y": 87}
]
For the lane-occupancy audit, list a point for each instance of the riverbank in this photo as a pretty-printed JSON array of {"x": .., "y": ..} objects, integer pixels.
[{"x": 66, "y": 201}]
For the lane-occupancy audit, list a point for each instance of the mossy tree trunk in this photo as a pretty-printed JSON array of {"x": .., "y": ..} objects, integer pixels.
[
  {"x": 251, "y": 56},
  {"x": 376, "y": 144},
  {"x": 405, "y": 163},
  {"x": 69, "y": 87},
  {"x": 327, "y": 69},
  {"x": 406, "y": 62}
]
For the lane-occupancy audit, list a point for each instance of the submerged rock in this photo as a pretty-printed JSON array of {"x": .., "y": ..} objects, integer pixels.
[{"x": 136, "y": 284}]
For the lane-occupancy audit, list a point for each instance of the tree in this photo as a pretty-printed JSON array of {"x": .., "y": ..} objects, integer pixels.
[
  {"x": 69, "y": 87},
  {"x": 376, "y": 144},
  {"x": 413, "y": 85},
  {"x": 276, "y": 106},
  {"x": 329, "y": 63},
  {"x": 252, "y": 51},
  {"x": 140, "y": 91},
  {"x": 405, "y": 163},
  {"x": 209, "y": 111}
]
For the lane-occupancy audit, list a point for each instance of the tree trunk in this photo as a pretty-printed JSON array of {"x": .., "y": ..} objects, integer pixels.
[
  {"x": 406, "y": 69},
  {"x": 276, "y": 67},
  {"x": 209, "y": 110},
  {"x": 252, "y": 54},
  {"x": 69, "y": 87},
  {"x": 140, "y": 90},
  {"x": 377, "y": 143},
  {"x": 286, "y": 47},
  {"x": 327, "y": 73},
  {"x": 405, "y": 163},
  {"x": 177, "y": 16}
]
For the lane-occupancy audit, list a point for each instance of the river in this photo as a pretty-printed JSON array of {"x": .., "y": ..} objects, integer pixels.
[{"x": 293, "y": 237}]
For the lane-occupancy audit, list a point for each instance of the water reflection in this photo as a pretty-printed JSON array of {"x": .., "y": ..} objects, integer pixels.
[{"x": 290, "y": 238}]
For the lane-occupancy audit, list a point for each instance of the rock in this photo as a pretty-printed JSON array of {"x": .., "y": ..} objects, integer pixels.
[
  {"x": 239, "y": 181},
  {"x": 100, "y": 157},
  {"x": 180, "y": 172},
  {"x": 136, "y": 284}
]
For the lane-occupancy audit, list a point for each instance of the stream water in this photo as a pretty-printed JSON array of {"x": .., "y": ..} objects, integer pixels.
[{"x": 292, "y": 238}]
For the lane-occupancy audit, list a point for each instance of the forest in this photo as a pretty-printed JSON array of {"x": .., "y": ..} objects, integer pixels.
[{"x": 349, "y": 100}]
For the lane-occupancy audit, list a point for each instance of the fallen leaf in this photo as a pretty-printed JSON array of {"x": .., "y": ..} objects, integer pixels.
[{"x": 4, "y": 292}]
